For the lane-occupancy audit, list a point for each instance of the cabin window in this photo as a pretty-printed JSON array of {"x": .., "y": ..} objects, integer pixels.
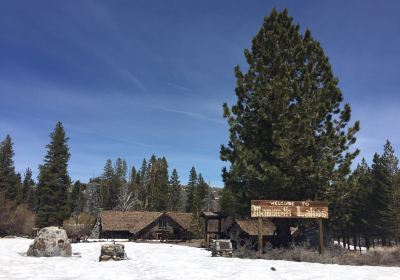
[{"x": 162, "y": 223}]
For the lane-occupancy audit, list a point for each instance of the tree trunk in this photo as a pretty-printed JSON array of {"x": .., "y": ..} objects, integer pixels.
[
  {"x": 284, "y": 236},
  {"x": 344, "y": 241}
]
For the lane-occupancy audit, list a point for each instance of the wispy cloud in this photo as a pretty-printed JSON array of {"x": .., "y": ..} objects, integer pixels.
[
  {"x": 83, "y": 130},
  {"x": 186, "y": 113},
  {"x": 123, "y": 71},
  {"x": 179, "y": 87}
]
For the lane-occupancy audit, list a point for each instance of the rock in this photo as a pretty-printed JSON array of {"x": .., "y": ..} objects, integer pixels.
[
  {"x": 51, "y": 242},
  {"x": 273, "y": 268},
  {"x": 105, "y": 258},
  {"x": 115, "y": 252}
]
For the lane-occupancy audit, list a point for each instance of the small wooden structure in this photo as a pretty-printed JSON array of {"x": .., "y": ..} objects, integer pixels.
[
  {"x": 210, "y": 229},
  {"x": 145, "y": 225},
  {"x": 245, "y": 232},
  {"x": 35, "y": 231},
  {"x": 222, "y": 248}
]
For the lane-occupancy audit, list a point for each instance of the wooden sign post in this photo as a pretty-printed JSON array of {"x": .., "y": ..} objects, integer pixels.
[
  {"x": 260, "y": 238},
  {"x": 289, "y": 209},
  {"x": 321, "y": 237}
]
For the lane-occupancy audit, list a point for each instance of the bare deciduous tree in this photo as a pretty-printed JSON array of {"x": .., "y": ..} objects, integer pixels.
[
  {"x": 79, "y": 228},
  {"x": 15, "y": 219},
  {"x": 126, "y": 200}
]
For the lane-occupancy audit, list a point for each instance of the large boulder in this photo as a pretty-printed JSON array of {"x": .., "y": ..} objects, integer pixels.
[
  {"x": 114, "y": 252},
  {"x": 50, "y": 242}
]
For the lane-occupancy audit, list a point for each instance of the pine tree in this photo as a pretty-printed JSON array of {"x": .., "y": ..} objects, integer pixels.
[
  {"x": 77, "y": 201},
  {"x": 191, "y": 190},
  {"x": 27, "y": 185},
  {"x": 121, "y": 169},
  {"x": 54, "y": 181},
  {"x": 19, "y": 187},
  {"x": 362, "y": 201},
  {"x": 381, "y": 186},
  {"x": 161, "y": 194},
  {"x": 396, "y": 194},
  {"x": 133, "y": 187},
  {"x": 141, "y": 182},
  {"x": 392, "y": 216},
  {"x": 143, "y": 169},
  {"x": 175, "y": 192},
  {"x": 30, "y": 190},
  {"x": 289, "y": 133},
  {"x": 108, "y": 171},
  {"x": 132, "y": 177},
  {"x": 351, "y": 204},
  {"x": 108, "y": 189},
  {"x": 149, "y": 184},
  {"x": 8, "y": 177},
  {"x": 202, "y": 192}
]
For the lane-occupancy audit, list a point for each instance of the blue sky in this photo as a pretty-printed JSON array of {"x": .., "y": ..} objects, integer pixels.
[{"x": 133, "y": 78}]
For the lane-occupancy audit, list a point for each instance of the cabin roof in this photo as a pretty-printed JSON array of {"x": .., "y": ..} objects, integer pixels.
[
  {"x": 135, "y": 221},
  {"x": 185, "y": 220},
  {"x": 251, "y": 226}
]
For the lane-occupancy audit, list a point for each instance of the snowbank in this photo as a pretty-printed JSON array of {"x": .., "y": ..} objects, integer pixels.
[{"x": 165, "y": 261}]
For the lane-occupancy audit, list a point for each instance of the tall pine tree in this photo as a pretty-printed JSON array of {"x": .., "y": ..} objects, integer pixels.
[
  {"x": 27, "y": 185},
  {"x": 175, "y": 192},
  {"x": 54, "y": 181},
  {"x": 289, "y": 132},
  {"x": 30, "y": 190},
  {"x": 202, "y": 193},
  {"x": 161, "y": 195},
  {"x": 8, "y": 177},
  {"x": 191, "y": 190}
]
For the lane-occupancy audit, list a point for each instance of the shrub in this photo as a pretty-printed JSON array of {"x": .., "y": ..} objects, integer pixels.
[
  {"x": 15, "y": 219},
  {"x": 380, "y": 256},
  {"x": 79, "y": 228}
]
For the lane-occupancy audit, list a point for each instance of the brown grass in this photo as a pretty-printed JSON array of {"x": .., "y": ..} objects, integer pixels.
[{"x": 381, "y": 256}]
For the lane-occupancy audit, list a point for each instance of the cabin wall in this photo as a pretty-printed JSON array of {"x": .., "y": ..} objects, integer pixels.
[
  {"x": 116, "y": 235},
  {"x": 171, "y": 230}
]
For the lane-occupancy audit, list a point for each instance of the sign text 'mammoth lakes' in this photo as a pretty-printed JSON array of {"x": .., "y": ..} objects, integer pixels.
[{"x": 289, "y": 209}]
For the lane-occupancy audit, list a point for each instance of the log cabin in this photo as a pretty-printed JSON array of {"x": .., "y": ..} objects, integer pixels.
[{"x": 141, "y": 225}]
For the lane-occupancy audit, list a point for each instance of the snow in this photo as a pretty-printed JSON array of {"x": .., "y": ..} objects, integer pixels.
[{"x": 165, "y": 261}]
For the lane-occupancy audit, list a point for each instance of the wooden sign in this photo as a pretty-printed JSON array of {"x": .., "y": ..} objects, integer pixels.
[{"x": 289, "y": 209}]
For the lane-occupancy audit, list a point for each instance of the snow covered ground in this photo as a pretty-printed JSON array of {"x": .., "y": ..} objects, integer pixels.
[{"x": 164, "y": 261}]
